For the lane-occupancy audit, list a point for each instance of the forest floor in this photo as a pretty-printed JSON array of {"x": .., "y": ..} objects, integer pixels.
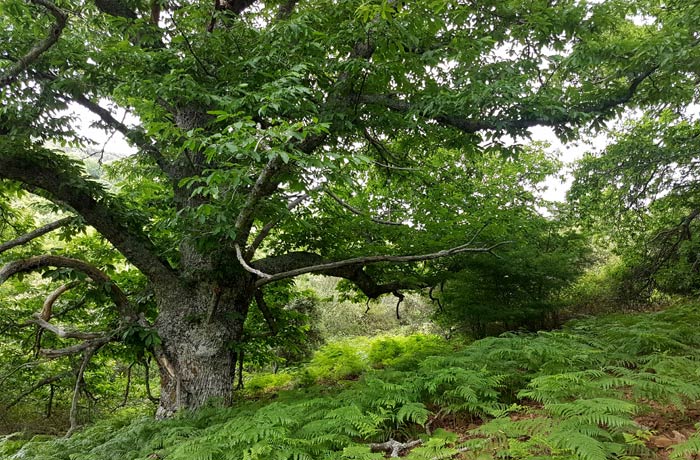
[{"x": 618, "y": 386}]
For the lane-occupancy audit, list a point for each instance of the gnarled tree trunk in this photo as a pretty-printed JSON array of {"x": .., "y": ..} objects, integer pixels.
[{"x": 199, "y": 326}]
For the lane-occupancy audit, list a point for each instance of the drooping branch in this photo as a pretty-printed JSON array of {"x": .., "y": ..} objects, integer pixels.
[
  {"x": 63, "y": 181},
  {"x": 34, "y": 234},
  {"x": 87, "y": 356},
  {"x": 41, "y": 383},
  {"x": 356, "y": 211},
  {"x": 265, "y": 310},
  {"x": 368, "y": 260},
  {"x": 97, "y": 276},
  {"x": 11, "y": 74},
  {"x": 399, "y": 298}
]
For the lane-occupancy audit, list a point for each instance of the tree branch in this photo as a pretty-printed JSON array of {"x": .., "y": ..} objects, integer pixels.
[
  {"x": 265, "y": 310},
  {"x": 37, "y": 262},
  {"x": 368, "y": 260},
  {"x": 245, "y": 265},
  {"x": 245, "y": 217},
  {"x": 87, "y": 356},
  {"x": 35, "y": 234},
  {"x": 267, "y": 228},
  {"x": 63, "y": 333},
  {"x": 36, "y": 386},
  {"x": 74, "y": 349},
  {"x": 137, "y": 137},
  {"x": 64, "y": 182},
  {"x": 47, "y": 307},
  {"x": 471, "y": 126},
  {"x": 51, "y": 39}
]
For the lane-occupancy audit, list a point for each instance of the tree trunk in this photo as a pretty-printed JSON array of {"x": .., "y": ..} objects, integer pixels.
[{"x": 199, "y": 326}]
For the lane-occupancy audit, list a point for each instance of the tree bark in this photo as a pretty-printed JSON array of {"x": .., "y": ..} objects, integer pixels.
[{"x": 199, "y": 327}]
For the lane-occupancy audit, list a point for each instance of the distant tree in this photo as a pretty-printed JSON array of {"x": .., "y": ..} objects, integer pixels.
[
  {"x": 645, "y": 190},
  {"x": 282, "y": 138}
]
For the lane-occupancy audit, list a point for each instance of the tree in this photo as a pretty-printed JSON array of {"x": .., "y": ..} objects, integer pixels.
[
  {"x": 282, "y": 138},
  {"x": 647, "y": 182}
]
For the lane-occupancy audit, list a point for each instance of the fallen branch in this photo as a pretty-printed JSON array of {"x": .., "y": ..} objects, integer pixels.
[{"x": 394, "y": 447}]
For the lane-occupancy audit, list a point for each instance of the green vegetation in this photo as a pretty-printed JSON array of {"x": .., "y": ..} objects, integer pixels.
[
  {"x": 577, "y": 393},
  {"x": 328, "y": 235}
]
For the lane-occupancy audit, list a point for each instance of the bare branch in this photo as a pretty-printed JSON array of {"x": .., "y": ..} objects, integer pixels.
[
  {"x": 35, "y": 234},
  {"x": 245, "y": 265},
  {"x": 63, "y": 333},
  {"x": 74, "y": 349},
  {"x": 38, "y": 262},
  {"x": 51, "y": 39},
  {"x": 368, "y": 260},
  {"x": 356, "y": 211}
]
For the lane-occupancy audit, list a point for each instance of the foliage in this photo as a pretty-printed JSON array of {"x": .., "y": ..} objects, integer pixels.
[
  {"x": 522, "y": 289},
  {"x": 576, "y": 393},
  {"x": 274, "y": 137},
  {"x": 645, "y": 185}
]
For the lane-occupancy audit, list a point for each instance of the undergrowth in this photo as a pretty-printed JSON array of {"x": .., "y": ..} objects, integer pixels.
[{"x": 568, "y": 394}]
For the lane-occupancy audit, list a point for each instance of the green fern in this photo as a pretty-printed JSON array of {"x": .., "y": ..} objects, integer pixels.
[{"x": 687, "y": 450}]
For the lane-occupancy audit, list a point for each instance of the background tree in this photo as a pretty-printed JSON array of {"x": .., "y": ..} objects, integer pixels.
[
  {"x": 646, "y": 182},
  {"x": 281, "y": 138}
]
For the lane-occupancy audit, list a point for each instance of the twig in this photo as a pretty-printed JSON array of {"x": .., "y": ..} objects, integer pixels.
[{"x": 358, "y": 212}]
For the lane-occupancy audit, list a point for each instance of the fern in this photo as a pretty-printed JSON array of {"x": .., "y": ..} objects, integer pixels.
[{"x": 688, "y": 449}]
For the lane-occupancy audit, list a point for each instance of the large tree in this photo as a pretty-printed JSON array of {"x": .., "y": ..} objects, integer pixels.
[{"x": 283, "y": 137}]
